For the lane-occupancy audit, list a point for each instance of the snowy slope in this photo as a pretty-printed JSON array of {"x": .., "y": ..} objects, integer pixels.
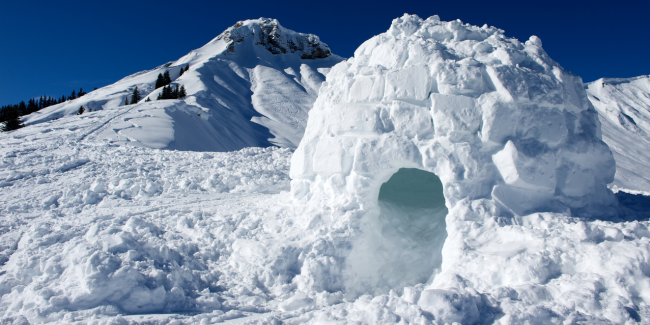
[
  {"x": 250, "y": 86},
  {"x": 624, "y": 109}
]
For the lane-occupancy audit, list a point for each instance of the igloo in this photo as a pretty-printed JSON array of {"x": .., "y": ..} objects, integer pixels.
[{"x": 506, "y": 129}]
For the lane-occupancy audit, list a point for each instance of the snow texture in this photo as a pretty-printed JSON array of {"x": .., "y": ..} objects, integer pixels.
[
  {"x": 624, "y": 109},
  {"x": 517, "y": 146},
  {"x": 250, "y": 86},
  {"x": 448, "y": 174}
]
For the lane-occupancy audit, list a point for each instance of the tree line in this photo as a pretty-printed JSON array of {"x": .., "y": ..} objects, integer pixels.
[{"x": 10, "y": 114}]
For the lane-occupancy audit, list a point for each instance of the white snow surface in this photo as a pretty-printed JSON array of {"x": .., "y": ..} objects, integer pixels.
[
  {"x": 250, "y": 86},
  {"x": 522, "y": 228},
  {"x": 624, "y": 109}
]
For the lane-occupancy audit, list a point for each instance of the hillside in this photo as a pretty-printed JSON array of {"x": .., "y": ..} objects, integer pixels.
[
  {"x": 251, "y": 86},
  {"x": 624, "y": 109}
]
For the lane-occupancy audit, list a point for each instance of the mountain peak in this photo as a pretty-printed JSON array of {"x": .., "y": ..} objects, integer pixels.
[{"x": 276, "y": 39}]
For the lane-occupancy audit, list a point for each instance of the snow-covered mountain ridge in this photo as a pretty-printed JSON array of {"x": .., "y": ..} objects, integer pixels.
[
  {"x": 250, "y": 86},
  {"x": 624, "y": 108},
  {"x": 276, "y": 39}
]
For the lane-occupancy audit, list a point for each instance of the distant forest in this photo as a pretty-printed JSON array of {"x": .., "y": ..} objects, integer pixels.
[{"x": 9, "y": 112}]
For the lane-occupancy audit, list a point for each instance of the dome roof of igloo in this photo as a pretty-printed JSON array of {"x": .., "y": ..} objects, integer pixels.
[{"x": 494, "y": 118}]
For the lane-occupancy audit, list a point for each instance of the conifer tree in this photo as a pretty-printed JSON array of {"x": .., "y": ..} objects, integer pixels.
[
  {"x": 126, "y": 101},
  {"x": 167, "y": 78},
  {"x": 182, "y": 93},
  {"x": 160, "y": 81},
  {"x": 167, "y": 92},
  {"x": 31, "y": 106},
  {"x": 73, "y": 95},
  {"x": 148, "y": 99},
  {"x": 135, "y": 97},
  {"x": 12, "y": 121},
  {"x": 175, "y": 93},
  {"x": 81, "y": 110},
  {"x": 22, "y": 109}
]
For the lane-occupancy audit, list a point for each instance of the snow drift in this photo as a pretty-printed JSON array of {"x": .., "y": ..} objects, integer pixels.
[
  {"x": 624, "y": 108},
  {"x": 250, "y": 86}
]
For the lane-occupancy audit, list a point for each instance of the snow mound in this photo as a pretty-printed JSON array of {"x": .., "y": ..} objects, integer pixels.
[
  {"x": 624, "y": 109},
  {"x": 250, "y": 86}
]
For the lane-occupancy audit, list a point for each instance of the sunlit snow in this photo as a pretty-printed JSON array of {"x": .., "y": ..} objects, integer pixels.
[{"x": 447, "y": 174}]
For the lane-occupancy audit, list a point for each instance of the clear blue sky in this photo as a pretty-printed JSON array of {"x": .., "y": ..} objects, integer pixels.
[{"x": 53, "y": 47}]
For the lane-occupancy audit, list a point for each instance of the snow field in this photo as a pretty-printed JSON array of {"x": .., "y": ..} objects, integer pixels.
[{"x": 97, "y": 229}]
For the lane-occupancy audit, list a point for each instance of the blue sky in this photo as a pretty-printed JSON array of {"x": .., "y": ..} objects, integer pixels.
[{"x": 52, "y": 47}]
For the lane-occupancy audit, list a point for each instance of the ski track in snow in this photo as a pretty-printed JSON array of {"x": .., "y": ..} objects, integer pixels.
[{"x": 105, "y": 123}]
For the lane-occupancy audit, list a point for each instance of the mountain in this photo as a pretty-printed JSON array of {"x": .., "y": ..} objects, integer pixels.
[
  {"x": 624, "y": 109},
  {"x": 251, "y": 86}
]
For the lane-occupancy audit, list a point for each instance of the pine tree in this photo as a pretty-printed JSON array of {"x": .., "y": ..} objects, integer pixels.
[
  {"x": 135, "y": 97},
  {"x": 81, "y": 92},
  {"x": 166, "y": 78},
  {"x": 182, "y": 93},
  {"x": 167, "y": 92},
  {"x": 175, "y": 93},
  {"x": 148, "y": 99},
  {"x": 126, "y": 101},
  {"x": 12, "y": 121},
  {"x": 81, "y": 110},
  {"x": 22, "y": 109},
  {"x": 160, "y": 81},
  {"x": 73, "y": 95},
  {"x": 31, "y": 106}
]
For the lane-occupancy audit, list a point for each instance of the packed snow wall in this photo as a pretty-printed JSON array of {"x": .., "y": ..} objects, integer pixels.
[
  {"x": 492, "y": 117},
  {"x": 504, "y": 127}
]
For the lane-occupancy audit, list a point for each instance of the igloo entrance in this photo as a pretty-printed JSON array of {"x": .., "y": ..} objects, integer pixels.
[{"x": 401, "y": 244}]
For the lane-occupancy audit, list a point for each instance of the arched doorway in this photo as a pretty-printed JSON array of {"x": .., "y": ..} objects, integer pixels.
[{"x": 401, "y": 245}]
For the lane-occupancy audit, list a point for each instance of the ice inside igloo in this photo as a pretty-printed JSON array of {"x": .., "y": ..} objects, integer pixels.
[{"x": 438, "y": 133}]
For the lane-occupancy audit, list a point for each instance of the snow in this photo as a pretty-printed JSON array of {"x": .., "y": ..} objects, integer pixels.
[
  {"x": 624, "y": 109},
  {"x": 251, "y": 86},
  {"x": 447, "y": 174}
]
